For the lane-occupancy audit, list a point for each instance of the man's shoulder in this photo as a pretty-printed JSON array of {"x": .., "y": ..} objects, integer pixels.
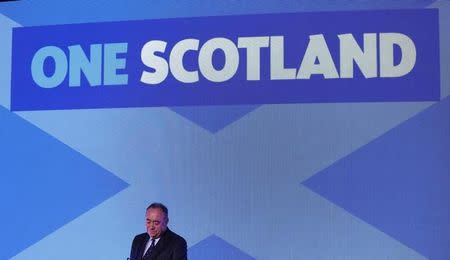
[
  {"x": 140, "y": 237},
  {"x": 175, "y": 237}
]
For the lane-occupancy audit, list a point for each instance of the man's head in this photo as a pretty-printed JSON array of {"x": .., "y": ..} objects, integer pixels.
[{"x": 156, "y": 219}]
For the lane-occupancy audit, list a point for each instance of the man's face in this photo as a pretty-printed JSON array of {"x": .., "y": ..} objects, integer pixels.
[{"x": 155, "y": 222}]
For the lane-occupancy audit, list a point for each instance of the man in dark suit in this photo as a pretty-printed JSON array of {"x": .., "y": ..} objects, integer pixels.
[{"x": 159, "y": 242}]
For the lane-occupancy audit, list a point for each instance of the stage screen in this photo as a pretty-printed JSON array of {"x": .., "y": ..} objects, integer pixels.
[{"x": 270, "y": 129}]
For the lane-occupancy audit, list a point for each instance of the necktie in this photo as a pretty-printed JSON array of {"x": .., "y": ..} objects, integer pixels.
[{"x": 149, "y": 250}]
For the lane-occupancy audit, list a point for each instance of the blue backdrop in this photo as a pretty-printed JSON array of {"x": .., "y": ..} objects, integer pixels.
[{"x": 347, "y": 180}]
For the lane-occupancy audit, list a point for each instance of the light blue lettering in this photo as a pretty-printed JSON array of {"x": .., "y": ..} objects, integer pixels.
[
  {"x": 92, "y": 68},
  {"x": 37, "y": 67},
  {"x": 112, "y": 64}
]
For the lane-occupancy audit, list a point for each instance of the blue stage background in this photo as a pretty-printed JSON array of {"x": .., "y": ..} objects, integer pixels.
[{"x": 289, "y": 181}]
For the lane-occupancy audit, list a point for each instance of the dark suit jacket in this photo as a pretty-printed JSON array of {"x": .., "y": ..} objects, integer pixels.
[{"x": 169, "y": 247}]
